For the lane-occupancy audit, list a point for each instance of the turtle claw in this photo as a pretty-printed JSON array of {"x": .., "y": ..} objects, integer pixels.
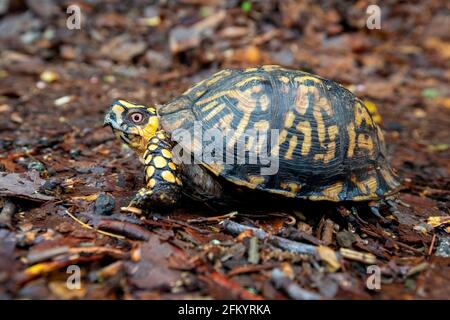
[{"x": 141, "y": 199}]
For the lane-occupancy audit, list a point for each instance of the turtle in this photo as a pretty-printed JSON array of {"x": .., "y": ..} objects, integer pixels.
[{"x": 327, "y": 147}]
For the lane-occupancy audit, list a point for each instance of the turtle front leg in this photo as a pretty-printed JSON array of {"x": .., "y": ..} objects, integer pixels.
[{"x": 162, "y": 177}]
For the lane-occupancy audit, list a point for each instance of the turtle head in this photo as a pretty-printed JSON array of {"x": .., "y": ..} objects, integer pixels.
[{"x": 133, "y": 124}]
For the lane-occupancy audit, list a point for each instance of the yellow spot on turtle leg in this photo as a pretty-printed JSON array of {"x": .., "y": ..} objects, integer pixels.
[
  {"x": 159, "y": 162},
  {"x": 168, "y": 176},
  {"x": 152, "y": 147},
  {"x": 166, "y": 153},
  {"x": 151, "y": 183},
  {"x": 149, "y": 172},
  {"x": 305, "y": 128},
  {"x": 172, "y": 166},
  {"x": 178, "y": 181},
  {"x": 292, "y": 145}
]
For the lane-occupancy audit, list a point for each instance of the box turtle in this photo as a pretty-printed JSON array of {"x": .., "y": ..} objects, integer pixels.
[{"x": 327, "y": 146}]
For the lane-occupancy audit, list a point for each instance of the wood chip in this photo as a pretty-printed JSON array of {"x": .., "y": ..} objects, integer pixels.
[{"x": 363, "y": 257}]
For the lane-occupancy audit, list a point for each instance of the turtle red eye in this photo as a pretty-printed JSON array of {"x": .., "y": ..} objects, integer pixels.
[{"x": 136, "y": 117}]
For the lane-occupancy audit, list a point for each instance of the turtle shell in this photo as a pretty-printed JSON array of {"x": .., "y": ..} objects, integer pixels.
[{"x": 328, "y": 146}]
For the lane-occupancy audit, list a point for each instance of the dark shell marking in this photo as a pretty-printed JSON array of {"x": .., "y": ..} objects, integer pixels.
[{"x": 329, "y": 146}]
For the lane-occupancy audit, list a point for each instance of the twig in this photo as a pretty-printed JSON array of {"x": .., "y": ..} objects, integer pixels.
[
  {"x": 85, "y": 225},
  {"x": 289, "y": 245},
  {"x": 34, "y": 257},
  {"x": 127, "y": 229},
  {"x": 214, "y": 219},
  {"x": 400, "y": 244},
  {"x": 298, "y": 235},
  {"x": 292, "y": 289},
  {"x": 433, "y": 240},
  {"x": 363, "y": 257},
  {"x": 251, "y": 268},
  {"x": 253, "y": 251},
  {"x": 167, "y": 222}
]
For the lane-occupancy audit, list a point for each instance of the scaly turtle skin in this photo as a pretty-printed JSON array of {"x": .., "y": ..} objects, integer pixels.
[{"x": 328, "y": 146}]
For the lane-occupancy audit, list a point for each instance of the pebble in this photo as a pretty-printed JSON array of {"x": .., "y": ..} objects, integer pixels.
[
  {"x": 443, "y": 248},
  {"x": 104, "y": 204},
  {"x": 36, "y": 165}
]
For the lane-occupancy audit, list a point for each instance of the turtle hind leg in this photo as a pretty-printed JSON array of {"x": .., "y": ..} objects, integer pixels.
[{"x": 162, "y": 176}]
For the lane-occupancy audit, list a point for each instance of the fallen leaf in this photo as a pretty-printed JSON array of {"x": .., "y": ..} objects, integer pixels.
[
  {"x": 329, "y": 257},
  {"x": 437, "y": 221},
  {"x": 21, "y": 185}
]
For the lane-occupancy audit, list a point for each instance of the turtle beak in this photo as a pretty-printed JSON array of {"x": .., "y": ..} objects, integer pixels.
[
  {"x": 107, "y": 121},
  {"x": 110, "y": 121}
]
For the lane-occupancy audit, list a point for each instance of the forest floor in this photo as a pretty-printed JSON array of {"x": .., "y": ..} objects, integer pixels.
[{"x": 61, "y": 171}]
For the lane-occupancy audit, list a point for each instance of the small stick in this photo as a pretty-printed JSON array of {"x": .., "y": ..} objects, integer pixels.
[
  {"x": 85, "y": 225},
  {"x": 251, "y": 268},
  {"x": 43, "y": 255},
  {"x": 298, "y": 235},
  {"x": 292, "y": 289},
  {"x": 433, "y": 240},
  {"x": 289, "y": 245},
  {"x": 214, "y": 219},
  {"x": 167, "y": 222},
  {"x": 127, "y": 229},
  {"x": 133, "y": 210}
]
